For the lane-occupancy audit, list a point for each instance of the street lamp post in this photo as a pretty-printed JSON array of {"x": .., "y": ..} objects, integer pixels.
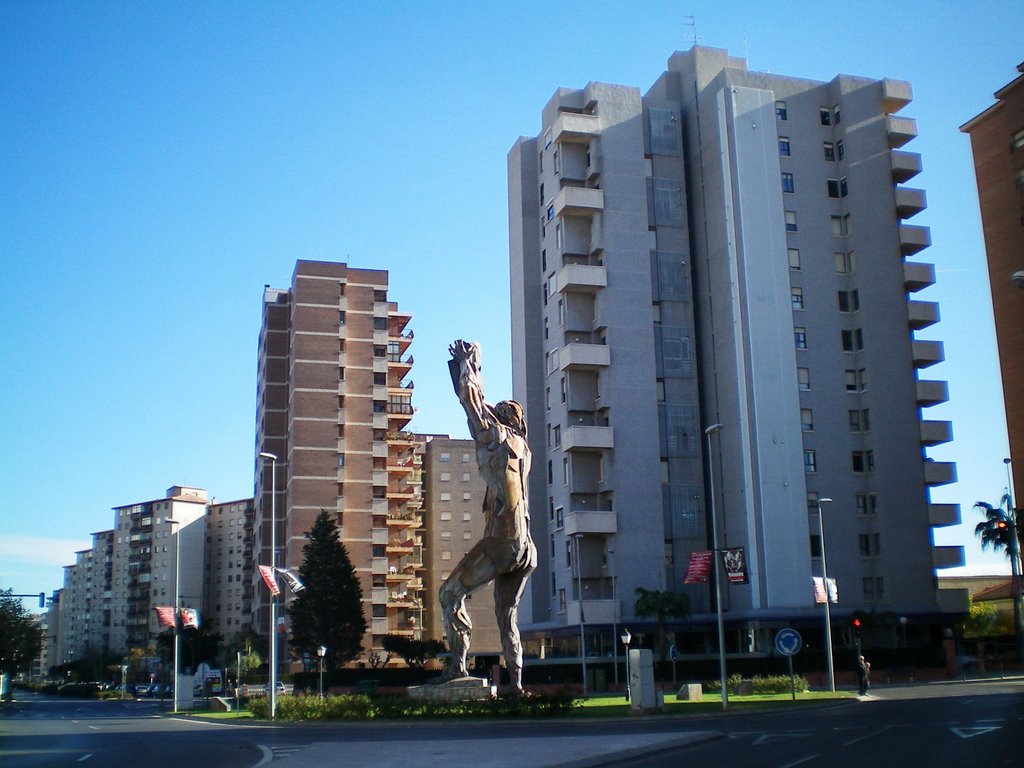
[
  {"x": 321, "y": 651},
  {"x": 1015, "y": 569},
  {"x": 615, "y": 616},
  {"x": 272, "y": 688},
  {"x": 177, "y": 587},
  {"x": 828, "y": 598},
  {"x": 718, "y": 577},
  {"x": 579, "y": 587},
  {"x": 626, "y": 637}
]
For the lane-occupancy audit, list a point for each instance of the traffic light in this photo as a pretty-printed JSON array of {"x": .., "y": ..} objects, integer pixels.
[
  {"x": 42, "y": 599},
  {"x": 1001, "y": 525},
  {"x": 856, "y": 627}
]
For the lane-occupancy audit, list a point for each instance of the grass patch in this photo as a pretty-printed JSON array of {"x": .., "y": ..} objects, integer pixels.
[{"x": 617, "y": 706}]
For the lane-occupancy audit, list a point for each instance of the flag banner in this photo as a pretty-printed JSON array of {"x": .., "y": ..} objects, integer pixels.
[
  {"x": 699, "y": 569},
  {"x": 821, "y": 586},
  {"x": 164, "y": 615},
  {"x": 735, "y": 565},
  {"x": 294, "y": 582},
  {"x": 267, "y": 573},
  {"x": 189, "y": 618}
]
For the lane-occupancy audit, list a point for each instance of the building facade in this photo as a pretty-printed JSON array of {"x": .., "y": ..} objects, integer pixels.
[
  {"x": 728, "y": 252},
  {"x": 997, "y": 139},
  {"x": 333, "y": 404},
  {"x": 453, "y": 521},
  {"x": 228, "y": 586}
]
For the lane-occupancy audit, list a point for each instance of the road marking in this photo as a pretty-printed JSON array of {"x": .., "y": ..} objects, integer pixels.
[
  {"x": 773, "y": 737},
  {"x": 867, "y": 736},
  {"x": 83, "y": 758},
  {"x": 969, "y": 733},
  {"x": 801, "y": 760},
  {"x": 93, "y": 727},
  {"x": 267, "y": 756}
]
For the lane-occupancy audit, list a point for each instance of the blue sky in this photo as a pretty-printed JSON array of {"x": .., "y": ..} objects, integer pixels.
[{"x": 161, "y": 162}]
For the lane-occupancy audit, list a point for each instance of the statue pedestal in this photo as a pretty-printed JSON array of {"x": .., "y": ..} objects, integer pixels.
[{"x": 459, "y": 689}]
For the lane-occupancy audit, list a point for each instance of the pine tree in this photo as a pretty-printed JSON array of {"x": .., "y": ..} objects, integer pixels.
[{"x": 328, "y": 612}]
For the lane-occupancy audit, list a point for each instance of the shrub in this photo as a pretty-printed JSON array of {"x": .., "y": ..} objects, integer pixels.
[{"x": 761, "y": 684}]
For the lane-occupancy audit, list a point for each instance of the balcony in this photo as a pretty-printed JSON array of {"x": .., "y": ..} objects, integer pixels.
[
  {"x": 939, "y": 473},
  {"x": 936, "y": 432},
  {"x": 579, "y": 201},
  {"x": 917, "y": 276},
  {"x": 914, "y": 239},
  {"x": 590, "y": 522},
  {"x": 905, "y": 165},
  {"x": 953, "y": 600},
  {"x": 947, "y": 557},
  {"x": 922, "y": 314},
  {"x": 581, "y": 278},
  {"x": 594, "y": 611},
  {"x": 900, "y": 130},
  {"x": 575, "y": 127},
  {"x": 910, "y": 202},
  {"x": 931, "y": 392},
  {"x": 943, "y": 514},
  {"x": 896, "y": 94},
  {"x": 583, "y": 438},
  {"x": 927, "y": 353},
  {"x": 584, "y": 357},
  {"x": 406, "y": 520}
]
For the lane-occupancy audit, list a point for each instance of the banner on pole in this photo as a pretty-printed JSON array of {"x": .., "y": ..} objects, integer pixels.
[
  {"x": 735, "y": 565},
  {"x": 189, "y": 618},
  {"x": 699, "y": 569},
  {"x": 164, "y": 615},
  {"x": 267, "y": 574},
  {"x": 823, "y": 586}
]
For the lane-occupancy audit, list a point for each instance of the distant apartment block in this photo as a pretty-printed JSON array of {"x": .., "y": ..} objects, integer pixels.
[
  {"x": 734, "y": 248},
  {"x": 333, "y": 404},
  {"x": 228, "y": 586},
  {"x": 997, "y": 138}
]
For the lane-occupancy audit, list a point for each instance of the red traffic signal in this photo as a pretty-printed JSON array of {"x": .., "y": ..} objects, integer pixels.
[{"x": 1000, "y": 524}]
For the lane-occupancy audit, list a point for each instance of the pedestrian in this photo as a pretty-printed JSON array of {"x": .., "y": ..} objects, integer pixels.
[{"x": 863, "y": 675}]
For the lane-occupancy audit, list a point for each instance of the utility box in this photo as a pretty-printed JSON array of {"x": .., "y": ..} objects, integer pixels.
[{"x": 643, "y": 696}]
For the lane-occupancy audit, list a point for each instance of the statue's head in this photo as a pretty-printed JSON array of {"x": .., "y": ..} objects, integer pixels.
[{"x": 510, "y": 413}]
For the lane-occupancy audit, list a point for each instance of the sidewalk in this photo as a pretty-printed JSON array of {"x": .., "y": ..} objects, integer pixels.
[{"x": 542, "y": 752}]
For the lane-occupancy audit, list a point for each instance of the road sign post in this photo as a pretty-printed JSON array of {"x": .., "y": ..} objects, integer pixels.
[{"x": 788, "y": 642}]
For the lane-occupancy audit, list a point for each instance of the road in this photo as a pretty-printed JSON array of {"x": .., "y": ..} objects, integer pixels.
[{"x": 961, "y": 725}]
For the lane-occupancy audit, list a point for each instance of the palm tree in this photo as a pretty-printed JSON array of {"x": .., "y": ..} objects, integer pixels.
[
  {"x": 998, "y": 528},
  {"x": 661, "y": 605}
]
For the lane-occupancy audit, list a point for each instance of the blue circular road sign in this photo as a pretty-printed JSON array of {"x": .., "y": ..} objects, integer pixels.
[{"x": 788, "y": 642}]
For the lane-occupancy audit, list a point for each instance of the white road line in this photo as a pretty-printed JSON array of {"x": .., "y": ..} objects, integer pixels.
[
  {"x": 268, "y": 755},
  {"x": 83, "y": 758},
  {"x": 867, "y": 736},
  {"x": 800, "y": 761}
]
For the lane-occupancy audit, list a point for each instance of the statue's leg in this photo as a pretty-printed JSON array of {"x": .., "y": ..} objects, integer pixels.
[
  {"x": 474, "y": 571},
  {"x": 508, "y": 591}
]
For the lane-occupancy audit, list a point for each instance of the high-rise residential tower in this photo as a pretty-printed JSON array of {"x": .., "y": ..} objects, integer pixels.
[
  {"x": 730, "y": 248},
  {"x": 332, "y": 405}
]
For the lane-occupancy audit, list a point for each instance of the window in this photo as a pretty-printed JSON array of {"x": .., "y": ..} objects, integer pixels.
[
  {"x": 840, "y": 149},
  {"x": 796, "y": 297},
  {"x": 825, "y": 115},
  {"x": 815, "y": 545},
  {"x": 846, "y": 263},
  {"x": 833, "y": 187},
  {"x": 800, "y": 336},
  {"x": 1020, "y": 180},
  {"x": 849, "y": 301},
  {"x": 856, "y": 380},
  {"x": 836, "y": 114},
  {"x": 853, "y": 341},
  {"x": 547, "y": 398},
  {"x": 803, "y": 377},
  {"x": 562, "y": 389},
  {"x": 862, "y": 503},
  {"x": 1018, "y": 137},
  {"x": 557, "y": 433},
  {"x": 784, "y": 146},
  {"x": 446, "y": 516},
  {"x": 854, "y": 420},
  {"x": 565, "y": 470},
  {"x": 791, "y": 221},
  {"x": 810, "y": 461},
  {"x": 341, "y": 374},
  {"x": 782, "y": 114},
  {"x": 380, "y": 323},
  {"x": 830, "y": 151},
  {"x": 568, "y": 553},
  {"x": 863, "y": 461},
  {"x": 844, "y": 187},
  {"x": 806, "y": 419},
  {"x": 787, "y": 182},
  {"x": 561, "y": 599},
  {"x": 794, "y": 258}
]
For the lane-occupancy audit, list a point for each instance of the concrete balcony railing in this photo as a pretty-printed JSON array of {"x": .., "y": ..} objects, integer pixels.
[
  {"x": 910, "y": 202},
  {"x": 896, "y": 94},
  {"x": 584, "y": 357},
  {"x": 575, "y": 127},
  {"x": 917, "y": 276},
  {"x": 581, "y": 278},
  {"x": 943, "y": 514},
  {"x": 900, "y": 130},
  {"x": 927, "y": 353},
  {"x": 914, "y": 238},
  {"x": 590, "y": 522},
  {"x": 939, "y": 473},
  {"x": 931, "y": 392},
  {"x": 594, "y": 611},
  {"x": 905, "y": 165},
  {"x": 581, "y": 438},
  {"x": 936, "y": 432},
  {"x": 947, "y": 557},
  {"x": 579, "y": 201},
  {"x": 921, "y": 314}
]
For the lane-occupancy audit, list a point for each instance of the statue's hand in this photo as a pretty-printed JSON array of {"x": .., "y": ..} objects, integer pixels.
[{"x": 465, "y": 351}]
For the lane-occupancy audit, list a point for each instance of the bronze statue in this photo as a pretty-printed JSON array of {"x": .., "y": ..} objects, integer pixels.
[{"x": 506, "y": 554}]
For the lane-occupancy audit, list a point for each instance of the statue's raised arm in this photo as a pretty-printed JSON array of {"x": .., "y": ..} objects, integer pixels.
[{"x": 469, "y": 386}]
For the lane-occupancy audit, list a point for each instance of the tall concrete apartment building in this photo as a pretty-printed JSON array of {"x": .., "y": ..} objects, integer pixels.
[
  {"x": 228, "y": 587},
  {"x": 731, "y": 248},
  {"x": 997, "y": 138},
  {"x": 332, "y": 405},
  {"x": 453, "y": 521},
  {"x": 85, "y": 604}
]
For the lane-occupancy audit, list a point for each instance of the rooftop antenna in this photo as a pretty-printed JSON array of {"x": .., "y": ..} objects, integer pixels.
[{"x": 692, "y": 24}]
